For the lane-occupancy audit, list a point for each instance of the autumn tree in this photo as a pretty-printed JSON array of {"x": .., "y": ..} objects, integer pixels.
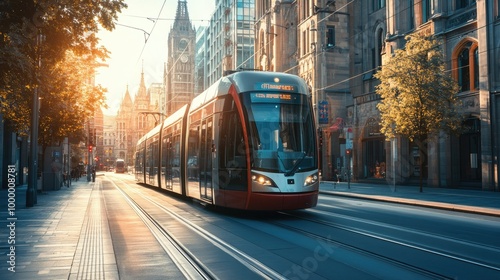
[
  {"x": 51, "y": 45},
  {"x": 418, "y": 95}
]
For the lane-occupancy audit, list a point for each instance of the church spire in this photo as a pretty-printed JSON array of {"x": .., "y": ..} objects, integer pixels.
[
  {"x": 182, "y": 21},
  {"x": 127, "y": 100},
  {"x": 141, "y": 91}
]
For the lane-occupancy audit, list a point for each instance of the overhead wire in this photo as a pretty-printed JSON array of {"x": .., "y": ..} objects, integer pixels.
[
  {"x": 335, "y": 84},
  {"x": 338, "y": 83}
]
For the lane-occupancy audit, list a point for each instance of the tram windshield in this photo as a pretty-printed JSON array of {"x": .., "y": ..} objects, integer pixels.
[{"x": 282, "y": 133}]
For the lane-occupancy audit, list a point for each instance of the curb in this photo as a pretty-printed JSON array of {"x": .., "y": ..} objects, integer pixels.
[{"x": 421, "y": 203}]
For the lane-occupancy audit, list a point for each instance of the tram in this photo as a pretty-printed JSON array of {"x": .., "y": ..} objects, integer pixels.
[
  {"x": 247, "y": 142},
  {"x": 120, "y": 166}
]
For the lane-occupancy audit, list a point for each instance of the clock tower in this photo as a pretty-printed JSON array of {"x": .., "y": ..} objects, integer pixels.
[{"x": 179, "y": 73}]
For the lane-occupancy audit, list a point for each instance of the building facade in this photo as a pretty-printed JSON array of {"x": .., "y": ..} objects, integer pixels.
[
  {"x": 230, "y": 38},
  {"x": 124, "y": 128},
  {"x": 311, "y": 39},
  {"x": 109, "y": 141},
  {"x": 337, "y": 47},
  {"x": 200, "y": 60},
  {"x": 179, "y": 76},
  {"x": 467, "y": 29}
]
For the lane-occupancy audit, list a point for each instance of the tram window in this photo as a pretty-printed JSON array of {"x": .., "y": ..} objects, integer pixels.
[
  {"x": 281, "y": 133},
  {"x": 155, "y": 158},
  {"x": 232, "y": 153},
  {"x": 234, "y": 146},
  {"x": 193, "y": 151}
]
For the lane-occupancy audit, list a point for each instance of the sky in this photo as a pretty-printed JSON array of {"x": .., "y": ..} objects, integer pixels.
[{"x": 140, "y": 43}]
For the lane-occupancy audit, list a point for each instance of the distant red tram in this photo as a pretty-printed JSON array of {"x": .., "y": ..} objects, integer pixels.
[
  {"x": 120, "y": 166},
  {"x": 247, "y": 142}
]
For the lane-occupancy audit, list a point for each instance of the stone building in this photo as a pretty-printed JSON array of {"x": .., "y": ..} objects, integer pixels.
[
  {"x": 179, "y": 72},
  {"x": 124, "y": 129},
  {"x": 311, "y": 39},
  {"x": 134, "y": 119},
  {"x": 337, "y": 47},
  {"x": 367, "y": 47},
  {"x": 467, "y": 29}
]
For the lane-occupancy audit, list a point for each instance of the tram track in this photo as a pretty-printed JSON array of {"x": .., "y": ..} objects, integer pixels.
[
  {"x": 439, "y": 237},
  {"x": 370, "y": 247},
  {"x": 390, "y": 240},
  {"x": 186, "y": 262},
  {"x": 185, "y": 259}
]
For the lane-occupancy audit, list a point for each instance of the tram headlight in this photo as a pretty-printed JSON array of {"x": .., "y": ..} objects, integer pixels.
[
  {"x": 311, "y": 179},
  {"x": 262, "y": 180}
]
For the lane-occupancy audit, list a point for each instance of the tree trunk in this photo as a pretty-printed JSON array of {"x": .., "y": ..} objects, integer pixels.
[
  {"x": 421, "y": 172},
  {"x": 421, "y": 147}
]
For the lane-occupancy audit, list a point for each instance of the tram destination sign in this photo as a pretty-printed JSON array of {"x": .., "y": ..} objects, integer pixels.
[
  {"x": 275, "y": 87},
  {"x": 274, "y": 97}
]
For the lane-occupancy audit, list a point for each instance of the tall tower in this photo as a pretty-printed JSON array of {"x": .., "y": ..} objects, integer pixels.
[
  {"x": 142, "y": 123},
  {"x": 124, "y": 129},
  {"x": 179, "y": 77}
]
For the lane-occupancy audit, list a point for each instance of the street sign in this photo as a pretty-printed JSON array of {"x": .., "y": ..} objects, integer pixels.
[{"x": 348, "y": 144}]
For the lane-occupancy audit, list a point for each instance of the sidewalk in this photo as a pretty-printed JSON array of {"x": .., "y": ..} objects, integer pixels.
[
  {"x": 55, "y": 238},
  {"x": 62, "y": 236},
  {"x": 470, "y": 201}
]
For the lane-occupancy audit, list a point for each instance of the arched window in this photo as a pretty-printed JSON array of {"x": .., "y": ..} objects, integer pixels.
[
  {"x": 466, "y": 66},
  {"x": 426, "y": 10},
  {"x": 379, "y": 47}
]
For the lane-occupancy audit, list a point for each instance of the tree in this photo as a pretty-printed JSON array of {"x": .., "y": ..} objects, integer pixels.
[
  {"x": 419, "y": 98},
  {"x": 51, "y": 45},
  {"x": 68, "y": 102}
]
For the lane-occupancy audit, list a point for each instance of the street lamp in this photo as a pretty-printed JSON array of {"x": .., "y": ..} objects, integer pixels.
[{"x": 31, "y": 198}]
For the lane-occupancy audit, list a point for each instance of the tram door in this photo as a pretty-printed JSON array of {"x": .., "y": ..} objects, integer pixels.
[
  {"x": 205, "y": 160},
  {"x": 167, "y": 162}
]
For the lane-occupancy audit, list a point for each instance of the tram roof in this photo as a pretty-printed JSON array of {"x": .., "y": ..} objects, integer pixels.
[
  {"x": 177, "y": 115},
  {"x": 248, "y": 81},
  {"x": 152, "y": 132},
  {"x": 168, "y": 121}
]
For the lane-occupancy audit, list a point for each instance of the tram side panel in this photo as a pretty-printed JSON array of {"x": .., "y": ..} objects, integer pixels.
[
  {"x": 192, "y": 153},
  {"x": 171, "y": 158},
  {"x": 216, "y": 158},
  {"x": 232, "y": 190},
  {"x": 139, "y": 163},
  {"x": 152, "y": 156}
]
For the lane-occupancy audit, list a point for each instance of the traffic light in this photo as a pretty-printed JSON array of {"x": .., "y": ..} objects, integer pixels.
[
  {"x": 348, "y": 152},
  {"x": 90, "y": 148},
  {"x": 320, "y": 137}
]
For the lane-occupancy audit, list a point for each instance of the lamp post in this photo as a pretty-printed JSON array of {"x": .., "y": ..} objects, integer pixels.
[{"x": 31, "y": 198}]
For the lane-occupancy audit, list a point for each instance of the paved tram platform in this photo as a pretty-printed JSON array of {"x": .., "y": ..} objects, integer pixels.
[{"x": 66, "y": 235}]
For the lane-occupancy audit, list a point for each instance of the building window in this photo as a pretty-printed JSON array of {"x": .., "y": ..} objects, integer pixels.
[
  {"x": 411, "y": 14},
  {"x": 306, "y": 9},
  {"x": 378, "y": 4},
  {"x": 459, "y": 4},
  {"x": 380, "y": 47},
  {"x": 426, "y": 10},
  {"x": 304, "y": 43},
  {"x": 330, "y": 36},
  {"x": 497, "y": 9},
  {"x": 466, "y": 66}
]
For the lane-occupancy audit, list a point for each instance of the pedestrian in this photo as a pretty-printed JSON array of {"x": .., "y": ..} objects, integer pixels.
[
  {"x": 336, "y": 177},
  {"x": 93, "y": 173}
]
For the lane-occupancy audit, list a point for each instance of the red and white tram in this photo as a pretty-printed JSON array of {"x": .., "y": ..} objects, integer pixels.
[{"x": 247, "y": 142}]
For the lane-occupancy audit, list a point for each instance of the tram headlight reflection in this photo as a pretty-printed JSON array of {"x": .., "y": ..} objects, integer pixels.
[
  {"x": 262, "y": 180},
  {"x": 311, "y": 180}
]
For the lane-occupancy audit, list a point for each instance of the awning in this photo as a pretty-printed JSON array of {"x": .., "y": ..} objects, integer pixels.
[{"x": 338, "y": 125}]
